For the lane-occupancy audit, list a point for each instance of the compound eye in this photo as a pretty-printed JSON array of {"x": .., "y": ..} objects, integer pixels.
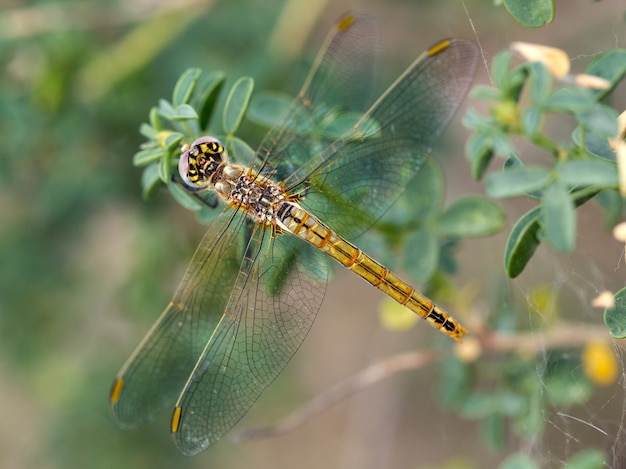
[
  {"x": 199, "y": 161},
  {"x": 183, "y": 171}
]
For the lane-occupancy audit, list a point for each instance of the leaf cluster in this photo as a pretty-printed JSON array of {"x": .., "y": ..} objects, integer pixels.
[{"x": 577, "y": 171}]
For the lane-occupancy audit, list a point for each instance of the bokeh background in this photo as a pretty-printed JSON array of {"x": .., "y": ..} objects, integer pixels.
[{"x": 86, "y": 265}]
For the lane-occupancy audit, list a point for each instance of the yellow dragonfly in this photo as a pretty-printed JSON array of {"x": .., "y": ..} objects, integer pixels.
[{"x": 257, "y": 280}]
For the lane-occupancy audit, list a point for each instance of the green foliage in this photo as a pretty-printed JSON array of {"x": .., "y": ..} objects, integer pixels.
[
  {"x": 522, "y": 99},
  {"x": 615, "y": 317},
  {"x": 531, "y": 13}
]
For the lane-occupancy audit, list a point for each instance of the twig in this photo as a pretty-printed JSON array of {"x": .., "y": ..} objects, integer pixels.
[
  {"x": 362, "y": 380},
  {"x": 526, "y": 343}
]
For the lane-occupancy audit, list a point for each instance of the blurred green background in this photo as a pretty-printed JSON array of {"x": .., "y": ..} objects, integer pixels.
[{"x": 87, "y": 265}]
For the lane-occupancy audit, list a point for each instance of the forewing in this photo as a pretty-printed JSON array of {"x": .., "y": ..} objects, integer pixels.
[
  {"x": 158, "y": 369},
  {"x": 353, "y": 181},
  {"x": 338, "y": 86},
  {"x": 270, "y": 311}
]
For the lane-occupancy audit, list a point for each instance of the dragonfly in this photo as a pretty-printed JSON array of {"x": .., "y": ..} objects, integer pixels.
[{"x": 258, "y": 278}]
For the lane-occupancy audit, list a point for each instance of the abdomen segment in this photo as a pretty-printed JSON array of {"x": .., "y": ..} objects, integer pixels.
[{"x": 301, "y": 223}]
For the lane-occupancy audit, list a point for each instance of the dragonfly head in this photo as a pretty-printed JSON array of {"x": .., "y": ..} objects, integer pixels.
[{"x": 200, "y": 161}]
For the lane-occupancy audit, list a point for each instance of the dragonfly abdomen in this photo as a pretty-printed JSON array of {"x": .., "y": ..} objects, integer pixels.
[{"x": 300, "y": 222}]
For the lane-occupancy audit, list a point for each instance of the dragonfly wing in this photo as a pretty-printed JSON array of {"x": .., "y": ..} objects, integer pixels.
[
  {"x": 353, "y": 181},
  {"x": 270, "y": 311},
  {"x": 156, "y": 372},
  {"x": 339, "y": 83}
]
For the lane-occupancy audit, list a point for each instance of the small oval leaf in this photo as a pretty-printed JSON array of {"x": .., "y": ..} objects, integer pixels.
[
  {"x": 517, "y": 181},
  {"x": 183, "y": 197},
  {"x": 241, "y": 152},
  {"x": 595, "y": 172},
  {"x": 479, "y": 151},
  {"x": 558, "y": 218},
  {"x": 518, "y": 461},
  {"x": 611, "y": 66},
  {"x": 531, "y": 13},
  {"x": 237, "y": 104},
  {"x": 522, "y": 242},
  {"x": 590, "y": 458},
  {"x": 185, "y": 86},
  {"x": 470, "y": 216},
  {"x": 184, "y": 112},
  {"x": 149, "y": 155},
  {"x": 207, "y": 100},
  {"x": 268, "y": 108},
  {"x": 421, "y": 255},
  {"x": 601, "y": 120},
  {"x": 150, "y": 180},
  {"x": 615, "y": 317},
  {"x": 572, "y": 100}
]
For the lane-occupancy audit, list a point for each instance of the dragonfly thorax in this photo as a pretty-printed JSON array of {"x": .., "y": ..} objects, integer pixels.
[{"x": 260, "y": 198}]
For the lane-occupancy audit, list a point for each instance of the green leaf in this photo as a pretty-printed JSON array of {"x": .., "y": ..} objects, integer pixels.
[
  {"x": 615, "y": 317},
  {"x": 588, "y": 173},
  {"x": 479, "y": 405},
  {"x": 184, "y": 112},
  {"x": 601, "y": 120},
  {"x": 558, "y": 218},
  {"x": 149, "y": 155},
  {"x": 148, "y": 131},
  {"x": 237, "y": 104},
  {"x": 479, "y": 151},
  {"x": 613, "y": 205},
  {"x": 517, "y": 181},
  {"x": 475, "y": 120},
  {"x": 421, "y": 255},
  {"x": 342, "y": 125},
  {"x": 493, "y": 430},
  {"x": 457, "y": 380},
  {"x": 185, "y": 86},
  {"x": 540, "y": 82},
  {"x": 420, "y": 202},
  {"x": 531, "y": 422},
  {"x": 207, "y": 100},
  {"x": 165, "y": 170},
  {"x": 519, "y": 461},
  {"x": 470, "y": 216},
  {"x": 532, "y": 119},
  {"x": 565, "y": 383},
  {"x": 522, "y": 243},
  {"x": 531, "y": 13},
  {"x": 571, "y": 100},
  {"x": 610, "y": 66},
  {"x": 500, "y": 69},
  {"x": 240, "y": 151},
  {"x": 587, "y": 459},
  {"x": 165, "y": 109},
  {"x": 593, "y": 143},
  {"x": 486, "y": 92},
  {"x": 268, "y": 108},
  {"x": 513, "y": 161},
  {"x": 172, "y": 141},
  {"x": 183, "y": 197},
  {"x": 150, "y": 180},
  {"x": 155, "y": 119}
]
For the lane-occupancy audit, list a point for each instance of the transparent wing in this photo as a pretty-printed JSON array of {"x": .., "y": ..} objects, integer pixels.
[
  {"x": 354, "y": 180},
  {"x": 339, "y": 85},
  {"x": 154, "y": 375},
  {"x": 271, "y": 308}
]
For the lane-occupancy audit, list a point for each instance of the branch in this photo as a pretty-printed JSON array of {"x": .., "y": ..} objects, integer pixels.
[
  {"x": 525, "y": 343},
  {"x": 362, "y": 380}
]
